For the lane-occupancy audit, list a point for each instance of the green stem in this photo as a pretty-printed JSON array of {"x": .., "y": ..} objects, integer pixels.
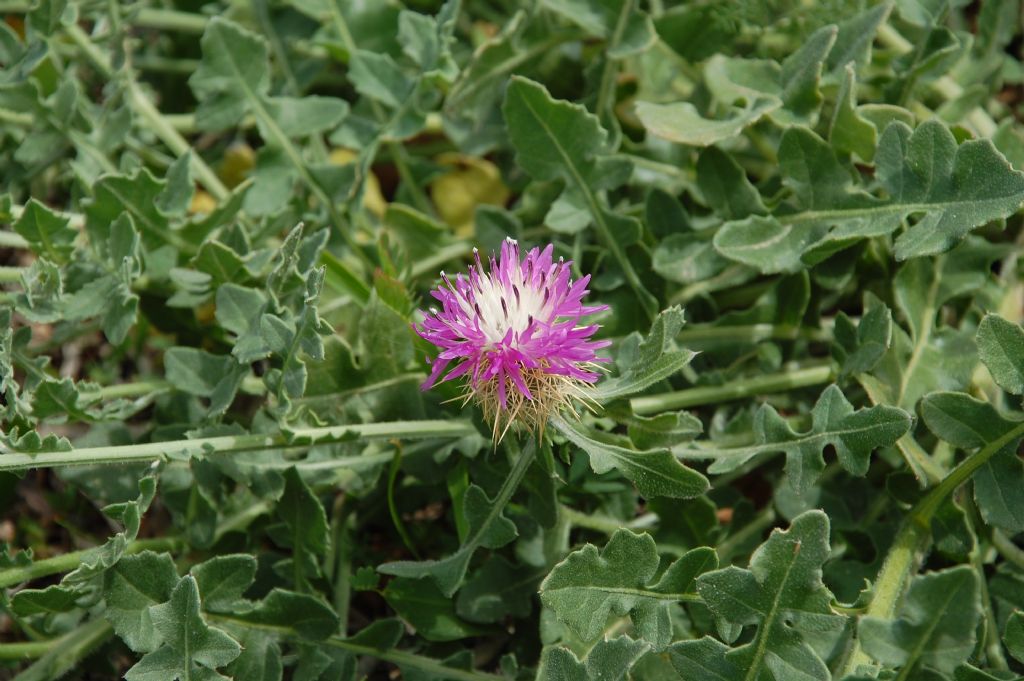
[
  {"x": 1007, "y": 548},
  {"x": 68, "y": 651},
  {"x": 734, "y": 390},
  {"x": 706, "y": 335},
  {"x": 69, "y": 561},
  {"x": 915, "y": 536},
  {"x": 12, "y": 240},
  {"x": 432, "y": 667},
  {"x": 604, "y": 524},
  {"x": 10, "y": 274},
  {"x": 225, "y": 444},
  {"x": 25, "y": 650}
]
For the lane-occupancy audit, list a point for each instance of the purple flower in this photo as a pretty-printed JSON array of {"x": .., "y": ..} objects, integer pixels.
[{"x": 516, "y": 332}]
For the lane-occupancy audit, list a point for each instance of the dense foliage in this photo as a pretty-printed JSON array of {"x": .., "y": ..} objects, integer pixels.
[{"x": 222, "y": 220}]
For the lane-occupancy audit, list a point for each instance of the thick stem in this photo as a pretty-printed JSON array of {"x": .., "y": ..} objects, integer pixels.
[
  {"x": 300, "y": 438},
  {"x": 734, "y": 390},
  {"x": 915, "y": 537}
]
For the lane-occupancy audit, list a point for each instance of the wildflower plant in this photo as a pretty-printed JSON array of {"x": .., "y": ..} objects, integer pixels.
[{"x": 724, "y": 364}]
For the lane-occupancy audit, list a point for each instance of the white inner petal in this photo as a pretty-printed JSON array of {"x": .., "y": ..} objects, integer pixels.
[{"x": 495, "y": 320}]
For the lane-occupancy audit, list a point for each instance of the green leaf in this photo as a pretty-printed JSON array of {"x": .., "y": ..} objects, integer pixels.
[
  {"x": 655, "y": 472},
  {"x": 557, "y": 140},
  {"x": 725, "y": 186},
  {"x": 179, "y": 188},
  {"x": 853, "y": 434},
  {"x": 664, "y": 430},
  {"x": 849, "y": 132},
  {"x": 970, "y": 423},
  {"x": 1013, "y": 636},
  {"x": 195, "y": 371},
  {"x": 192, "y": 649},
  {"x": 657, "y": 358},
  {"x": 421, "y": 603},
  {"x": 609, "y": 660},
  {"x": 704, "y": 658},
  {"x": 303, "y": 529},
  {"x": 486, "y": 525},
  {"x": 588, "y": 587},
  {"x": 959, "y": 188},
  {"x": 1001, "y": 348},
  {"x": 935, "y": 625},
  {"x": 618, "y": 21},
  {"x": 783, "y": 595},
  {"x": 133, "y": 586},
  {"x": 47, "y": 233},
  {"x": 139, "y": 196},
  {"x": 497, "y": 590},
  {"x": 682, "y": 123},
  {"x": 309, "y": 616},
  {"x": 923, "y": 172},
  {"x": 223, "y": 579},
  {"x": 232, "y": 72},
  {"x": 860, "y": 348}
]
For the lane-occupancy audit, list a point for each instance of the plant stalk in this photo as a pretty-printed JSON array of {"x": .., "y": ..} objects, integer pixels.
[{"x": 299, "y": 438}]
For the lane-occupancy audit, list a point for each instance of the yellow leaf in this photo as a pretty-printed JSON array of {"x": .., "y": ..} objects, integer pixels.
[
  {"x": 373, "y": 197},
  {"x": 471, "y": 182}
]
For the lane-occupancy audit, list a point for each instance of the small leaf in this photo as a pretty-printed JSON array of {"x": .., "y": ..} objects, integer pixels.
[
  {"x": 1001, "y": 348},
  {"x": 190, "y": 647},
  {"x": 1014, "y": 635},
  {"x": 655, "y": 472},
  {"x": 130, "y": 589},
  {"x": 47, "y": 233},
  {"x": 304, "y": 528},
  {"x": 421, "y": 603},
  {"x": 587, "y": 588},
  {"x": 934, "y": 628},
  {"x": 223, "y": 579},
  {"x": 308, "y": 615},
  {"x": 783, "y": 595},
  {"x": 657, "y": 359},
  {"x": 970, "y": 423},
  {"x": 854, "y": 434},
  {"x": 609, "y": 660}
]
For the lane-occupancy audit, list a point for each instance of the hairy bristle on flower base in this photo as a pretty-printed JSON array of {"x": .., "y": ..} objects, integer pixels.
[{"x": 516, "y": 333}]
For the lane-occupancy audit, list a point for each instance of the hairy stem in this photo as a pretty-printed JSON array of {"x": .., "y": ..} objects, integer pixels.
[
  {"x": 914, "y": 538},
  {"x": 734, "y": 390},
  {"x": 301, "y": 438}
]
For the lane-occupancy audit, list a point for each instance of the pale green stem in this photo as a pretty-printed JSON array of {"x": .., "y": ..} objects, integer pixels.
[
  {"x": 25, "y": 650},
  {"x": 915, "y": 536},
  {"x": 700, "y": 335},
  {"x": 734, "y": 390},
  {"x": 67, "y": 651},
  {"x": 69, "y": 561},
  {"x": 1007, "y": 549},
  {"x": 225, "y": 444},
  {"x": 10, "y": 274},
  {"x": 604, "y": 524},
  {"x": 12, "y": 240}
]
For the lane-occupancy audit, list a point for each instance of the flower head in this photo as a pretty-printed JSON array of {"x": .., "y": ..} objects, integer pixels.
[{"x": 517, "y": 333}]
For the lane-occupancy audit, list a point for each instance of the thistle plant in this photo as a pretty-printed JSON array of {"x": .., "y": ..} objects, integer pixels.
[
  {"x": 760, "y": 421},
  {"x": 515, "y": 333}
]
